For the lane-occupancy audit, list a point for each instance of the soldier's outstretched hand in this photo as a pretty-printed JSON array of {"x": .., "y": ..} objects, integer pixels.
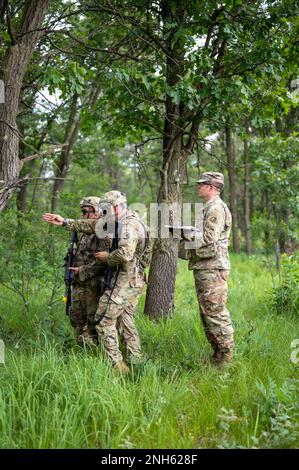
[{"x": 54, "y": 219}]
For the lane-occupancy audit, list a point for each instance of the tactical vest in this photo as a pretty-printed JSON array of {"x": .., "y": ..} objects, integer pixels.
[{"x": 144, "y": 256}]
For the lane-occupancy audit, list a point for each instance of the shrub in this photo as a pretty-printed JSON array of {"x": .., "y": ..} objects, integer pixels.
[{"x": 284, "y": 298}]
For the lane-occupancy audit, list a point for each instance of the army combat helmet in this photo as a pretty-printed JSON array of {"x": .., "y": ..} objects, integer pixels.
[
  {"x": 213, "y": 178},
  {"x": 91, "y": 201},
  {"x": 114, "y": 198}
]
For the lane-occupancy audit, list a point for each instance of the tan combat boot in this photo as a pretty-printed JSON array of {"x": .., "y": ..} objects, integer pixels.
[
  {"x": 221, "y": 358},
  {"x": 122, "y": 368}
]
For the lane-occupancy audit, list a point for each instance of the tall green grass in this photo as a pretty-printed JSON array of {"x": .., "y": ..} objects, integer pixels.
[{"x": 55, "y": 395}]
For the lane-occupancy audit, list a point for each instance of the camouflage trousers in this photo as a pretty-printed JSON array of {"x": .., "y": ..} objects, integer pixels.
[
  {"x": 211, "y": 288},
  {"x": 118, "y": 320},
  {"x": 85, "y": 300}
]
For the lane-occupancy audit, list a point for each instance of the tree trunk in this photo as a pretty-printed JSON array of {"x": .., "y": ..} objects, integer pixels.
[
  {"x": 248, "y": 244},
  {"x": 13, "y": 68},
  {"x": 232, "y": 187},
  {"x": 285, "y": 127},
  {"x": 71, "y": 134},
  {"x": 22, "y": 193},
  {"x": 63, "y": 163},
  {"x": 265, "y": 203},
  {"x": 159, "y": 298}
]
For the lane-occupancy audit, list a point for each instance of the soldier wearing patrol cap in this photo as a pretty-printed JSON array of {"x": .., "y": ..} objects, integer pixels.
[
  {"x": 212, "y": 178},
  {"x": 210, "y": 264}
]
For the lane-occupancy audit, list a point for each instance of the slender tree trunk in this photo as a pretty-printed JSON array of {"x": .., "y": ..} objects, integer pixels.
[
  {"x": 277, "y": 255},
  {"x": 30, "y": 167},
  {"x": 285, "y": 127},
  {"x": 248, "y": 244},
  {"x": 22, "y": 192},
  {"x": 70, "y": 138},
  {"x": 64, "y": 160},
  {"x": 266, "y": 206},
  {"x": 13, "y": 68},
  {"x": 232, "y": 187}
]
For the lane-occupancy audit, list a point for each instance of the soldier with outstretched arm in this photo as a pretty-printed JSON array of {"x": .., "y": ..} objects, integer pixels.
[
  {"x": 115, "y": 316},
  {"x": 86, "y": 274}
]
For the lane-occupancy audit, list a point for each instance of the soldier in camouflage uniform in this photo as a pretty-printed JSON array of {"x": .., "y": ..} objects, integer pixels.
[
  {"x": 210, "y": 265},
  {"x": 116, "y": 310},
  {"x": 86, "y": 287}
]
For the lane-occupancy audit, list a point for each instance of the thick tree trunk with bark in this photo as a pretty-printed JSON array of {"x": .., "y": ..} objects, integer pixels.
[
  {"x": 248, "y": 243},
  {"x": 178, "y": 120},
  {"x": 13, "y": 68},
  {"x": 232, "y": 187},
  {"x": 159, "y": 298}
]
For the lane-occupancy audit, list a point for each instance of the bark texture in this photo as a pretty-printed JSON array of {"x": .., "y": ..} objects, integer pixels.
[{"x": 13, "y": 68}]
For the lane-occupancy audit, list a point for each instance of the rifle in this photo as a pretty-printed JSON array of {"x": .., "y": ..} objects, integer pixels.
[
  {"x": 68, "y": 274},
  {"x": 110, "y": 272}
]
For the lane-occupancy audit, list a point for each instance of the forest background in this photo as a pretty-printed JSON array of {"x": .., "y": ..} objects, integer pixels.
[{"x": 142, "y": 97}]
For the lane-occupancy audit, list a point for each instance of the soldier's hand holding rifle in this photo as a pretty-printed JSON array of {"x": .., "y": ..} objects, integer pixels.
[
  {"x": 75, "y": 270},
  {"x": 102, "y": 256}
]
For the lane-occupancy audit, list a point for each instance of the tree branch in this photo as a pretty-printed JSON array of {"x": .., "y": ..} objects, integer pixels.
[{"x": 49, "y": 151}]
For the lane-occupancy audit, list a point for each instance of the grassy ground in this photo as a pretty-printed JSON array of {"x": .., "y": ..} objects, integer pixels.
[{"x": 54, "y": 395}]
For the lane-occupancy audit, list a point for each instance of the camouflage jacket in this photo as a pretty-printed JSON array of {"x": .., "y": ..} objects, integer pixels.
[
  {"x": 134, "y": 248},
  {"x": 213, "y": 251},
  {"x": 90, "y": 270}
]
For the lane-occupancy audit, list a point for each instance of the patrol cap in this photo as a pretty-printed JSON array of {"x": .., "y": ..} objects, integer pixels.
[
  {"x": 114, "y": 198},
  {"x": 91, "y": 201},
  {"x": 213, "y": 178}
]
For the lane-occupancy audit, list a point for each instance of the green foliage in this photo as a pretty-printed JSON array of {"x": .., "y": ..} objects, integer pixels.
[
  {"x": 31, "y": 267},
  {"x": 284, "y": 298},
  {"x": 275, "y": 176},
  {"x": 278, "y": 410}
]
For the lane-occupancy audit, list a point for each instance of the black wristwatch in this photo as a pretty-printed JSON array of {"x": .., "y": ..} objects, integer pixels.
[{"x": 65, "y": 221}]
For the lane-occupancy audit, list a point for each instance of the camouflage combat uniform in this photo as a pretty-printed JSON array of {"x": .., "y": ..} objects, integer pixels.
[
  {"x": 86, "y": 287},
  {"x": 116, "y": 309},
  {"x": 210, "y": 264}
]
